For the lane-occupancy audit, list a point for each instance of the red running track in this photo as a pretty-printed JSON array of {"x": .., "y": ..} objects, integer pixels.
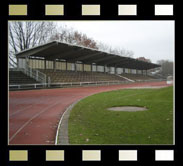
[{"x": 34, "y": 114}]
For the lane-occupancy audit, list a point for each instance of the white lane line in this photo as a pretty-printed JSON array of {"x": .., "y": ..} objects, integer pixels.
[
  {"x": 23, "y": 109},
  {"x": 36, "y": 115}
]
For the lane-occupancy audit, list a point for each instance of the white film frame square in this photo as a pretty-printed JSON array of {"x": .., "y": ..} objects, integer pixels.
[
  {"x": 127, "y": 10},
  {"x": 54, "y": 155},
  {"x": 18, "y": 10},
  {"x": 90, "y": 10},
  {"x": 164, "y": 155},
  {"x": 91, "y": 155},
  {"x": 57, "y": 10},
  {"x": 18, "y": 155},
  {"x": 127, "y": 155},
  {"x": 163, "y": 10}
]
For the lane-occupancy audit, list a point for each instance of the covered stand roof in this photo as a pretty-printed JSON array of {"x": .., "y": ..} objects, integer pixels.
[{"x": 72, "y": 53}]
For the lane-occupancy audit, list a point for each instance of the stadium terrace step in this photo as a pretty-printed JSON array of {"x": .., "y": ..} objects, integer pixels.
[
  {"x": 79, "y": 76},
  {"x": 18, "y": 77}
]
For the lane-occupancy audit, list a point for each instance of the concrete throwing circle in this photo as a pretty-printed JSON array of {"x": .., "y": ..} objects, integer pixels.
[{"x": 128, "y": 108}]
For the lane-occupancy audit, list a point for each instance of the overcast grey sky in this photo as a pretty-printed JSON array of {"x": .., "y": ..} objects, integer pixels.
[{"x": 151, "y": 39}]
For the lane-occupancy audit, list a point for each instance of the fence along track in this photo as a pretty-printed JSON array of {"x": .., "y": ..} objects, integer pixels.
[{"x": 72, "y": 84}]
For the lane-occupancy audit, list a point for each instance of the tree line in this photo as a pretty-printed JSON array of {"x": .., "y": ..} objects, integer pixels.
[
  {"x": 27, "y": 34},
  {"x": 166, "y": 67}
]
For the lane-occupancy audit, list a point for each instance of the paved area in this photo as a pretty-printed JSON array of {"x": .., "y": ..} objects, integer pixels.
[
  {"x": 34, "y": 115},
  {"x": 127, "y": 108}
]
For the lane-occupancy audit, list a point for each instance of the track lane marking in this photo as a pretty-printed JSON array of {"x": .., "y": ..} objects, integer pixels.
[
  {"x": 35, "y": 104},
  {"x": 26, "y": 123},
  {"x": 23, "y": 109}
]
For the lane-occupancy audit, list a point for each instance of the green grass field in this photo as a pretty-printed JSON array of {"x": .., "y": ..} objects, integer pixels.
[{"x": 91, "y": 123}]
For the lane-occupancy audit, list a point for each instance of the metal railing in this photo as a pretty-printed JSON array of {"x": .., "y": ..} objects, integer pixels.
[
  {"x": 35, "y": 74},
  {"x": 62, "y": 85},
  {"x": 73, "y": 84}
]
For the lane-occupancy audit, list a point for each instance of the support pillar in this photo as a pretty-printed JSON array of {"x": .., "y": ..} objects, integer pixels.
[
  {"x": 66, "y": 65},
  {"x": 45, "y": 64},
  {"x": 109, "y": 70},
  {"x": 91, "y": 67},
  {"x": 54, "y": 64},
  {"x": 115, "y": 69},
  {"x": 75, "y": 66},
  {"x": 130, "y": 71},
  {"x": 83, "y": 67},
  {"x": 26, "y": 62},
  {"x": 104, "y": 68},
  {"x": 18, "y": 65}
]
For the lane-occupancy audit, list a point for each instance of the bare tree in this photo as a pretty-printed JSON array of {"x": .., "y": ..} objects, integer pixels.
[
  {"x": 166, "y": 67},
  {"x": 27, "y": 34},
  {"x": 144, "y": 59},
  {"x": 71, "y": 36},
  {"x": 117, "y": 50}
]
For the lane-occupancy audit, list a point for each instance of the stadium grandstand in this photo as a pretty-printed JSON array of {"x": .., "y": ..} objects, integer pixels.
[{"x": 57, "y": 64}]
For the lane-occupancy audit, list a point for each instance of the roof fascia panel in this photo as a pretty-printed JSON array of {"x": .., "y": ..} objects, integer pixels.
[{"x": 36, "y": 50}]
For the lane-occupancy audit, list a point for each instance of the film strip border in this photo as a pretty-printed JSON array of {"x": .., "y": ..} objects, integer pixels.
[
  {"x": 60, "y": 154},
  {"x": 90, "y": 155},
  {"x": 95, "y": 10}
]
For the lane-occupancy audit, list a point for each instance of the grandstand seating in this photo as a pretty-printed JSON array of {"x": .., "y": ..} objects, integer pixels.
[
  {"x": 137, "y": 77},
  {"x": 18, "y": 77},
  {"x": 79, "y": 76},
  {"x": 62, "y": 76}
]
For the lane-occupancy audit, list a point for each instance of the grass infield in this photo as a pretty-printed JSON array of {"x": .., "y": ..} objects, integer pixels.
[{"x": 91, "y": 123}]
